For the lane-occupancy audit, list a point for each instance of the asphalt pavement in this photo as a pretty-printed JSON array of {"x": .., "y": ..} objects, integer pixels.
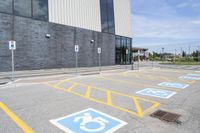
[{"x": 123, "y": 97}]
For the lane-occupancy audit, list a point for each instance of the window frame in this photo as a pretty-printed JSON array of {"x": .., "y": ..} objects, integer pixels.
[{"x": 31, "y": 16}]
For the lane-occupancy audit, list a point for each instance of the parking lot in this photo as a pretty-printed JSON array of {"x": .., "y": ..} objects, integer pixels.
[{"x": 39, "y": 104}]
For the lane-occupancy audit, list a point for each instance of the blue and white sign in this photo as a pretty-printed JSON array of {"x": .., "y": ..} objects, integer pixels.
[
  {"x": 173, "y": 85},
  {"x": 88, "y": 121},
  {"x": 194, "y": 75},
  {"x": 189, "y": 78},
  {"x": 12, "y": 45},
  {"x": 157, "y": 93}
]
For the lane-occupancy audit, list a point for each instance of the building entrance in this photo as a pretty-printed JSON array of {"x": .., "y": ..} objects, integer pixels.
[{"x": 123, "y": 50}]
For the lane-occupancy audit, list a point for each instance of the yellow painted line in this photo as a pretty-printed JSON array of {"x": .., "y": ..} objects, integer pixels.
[
  {"x": 71, "y": 87},
  {"x": 109, "y": 101},
  {"x": 16, "y": 119},
  {"x": 151, "y": 77},
  {"x": 139, "y": 109},
  {"x": 165, "y": 78},
  {"x": 60, "y": 82},
  {"x": 87, "y": 95},
  {"x": 142, "y": 84},
  {"x": 151, "y": 108},
  {"x": 191, "y": 82},
  {"x": 109, "y": 93},
  {"x": 159, "y": 78},
  {"x": 98, "y": 101}
]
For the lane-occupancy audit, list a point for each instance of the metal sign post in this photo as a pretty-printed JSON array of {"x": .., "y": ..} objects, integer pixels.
[
  {"x": 12, "y": 47},
  {"x": 99, "y": 52},
  {"x": 126, "y": 57},
  {"x": 76, "y": 48},
  {"x": 138, "y": 59}
]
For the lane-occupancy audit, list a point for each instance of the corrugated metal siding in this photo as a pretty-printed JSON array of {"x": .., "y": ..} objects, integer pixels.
[
  {"x": 122, "y": 11},
  {"x": 78, "y": 13}
]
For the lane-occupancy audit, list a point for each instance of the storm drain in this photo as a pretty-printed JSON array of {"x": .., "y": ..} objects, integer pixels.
[{"x": 166, "y": 116}]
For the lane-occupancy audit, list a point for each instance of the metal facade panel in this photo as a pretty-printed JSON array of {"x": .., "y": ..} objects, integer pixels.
[
  {"x": 78, "y": 13},
  {"x": 122, "y": 11}
]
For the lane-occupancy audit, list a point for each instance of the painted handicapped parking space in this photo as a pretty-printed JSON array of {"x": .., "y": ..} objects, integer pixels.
[
  {"x": 87, "y": 121},
  {"x": 174, "y": 85},
  {"x": 195, "y": 77},
  {"x": 156, "y": 93},
  {"x": 104, "y": 106}
]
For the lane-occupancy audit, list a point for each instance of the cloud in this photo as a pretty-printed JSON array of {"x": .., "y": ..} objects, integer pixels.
[
  {"x": 175, "y": 28},
  {"x": 192, "y": 4},
  {"x": 153, "y": 8},
  {"x": 182, "y": 5},
  {"x": 197, "y": 22}
]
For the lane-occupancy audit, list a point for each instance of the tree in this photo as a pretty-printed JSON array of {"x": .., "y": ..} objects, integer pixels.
[
  {"x": 195, "y": 54},
  {"x": 183, "y": 54}
]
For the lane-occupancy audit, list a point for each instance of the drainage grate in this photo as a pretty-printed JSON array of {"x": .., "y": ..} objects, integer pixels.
[{"x": 166, "y": 116}]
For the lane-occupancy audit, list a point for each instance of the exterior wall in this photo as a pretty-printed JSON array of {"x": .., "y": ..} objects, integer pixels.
[
  {"x": 122, "y": 11},
  {"x": 35, "y": 51},
  {"x": 78, "y": 13}
]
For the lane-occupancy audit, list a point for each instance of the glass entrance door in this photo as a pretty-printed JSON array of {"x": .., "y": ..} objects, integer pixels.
[{"x": 123, "y": 50}]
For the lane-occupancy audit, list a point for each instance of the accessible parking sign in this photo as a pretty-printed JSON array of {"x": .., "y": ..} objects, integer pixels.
[{"x": 88, "y": 121}]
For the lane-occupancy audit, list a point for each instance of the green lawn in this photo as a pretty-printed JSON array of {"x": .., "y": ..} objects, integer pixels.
[{"x": 180, "y": 63}]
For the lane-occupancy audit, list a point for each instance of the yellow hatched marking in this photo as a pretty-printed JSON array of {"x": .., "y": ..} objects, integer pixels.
[
  {"x": 16, "y": 119},
  {"x": 109, "y": 101},
  {"x": 87, "y": 95},
  {"x": 139, "y": 109},
  {"x": 71, "y": 87},
  {"x": 109, "y": 93},
  {"x": 60, "y": 82}
]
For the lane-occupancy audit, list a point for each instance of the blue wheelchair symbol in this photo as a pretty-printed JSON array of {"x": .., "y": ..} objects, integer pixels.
[
  {"x": 156, "y": 93},
  {"x": 194, "y": 75},
  {"x": 173, "y": 85},
  {"x": 88, "y": 121},
  {"x": 190, "y": 77}
]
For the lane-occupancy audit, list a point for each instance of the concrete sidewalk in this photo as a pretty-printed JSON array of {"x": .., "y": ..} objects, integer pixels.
[{"x": 5, "y": 77}]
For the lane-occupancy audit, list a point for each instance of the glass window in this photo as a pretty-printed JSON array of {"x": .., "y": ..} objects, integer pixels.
[
  {"x": 40, "y": 9},
  {"x": 6, "y": 6},
  {"x": 107, "y": 16},
  {"x": 22, "y": 8},
  {"x": 104, "y": 15},
  {"x": 111, "y": 20},
  {"x": 118, "y": 42}
]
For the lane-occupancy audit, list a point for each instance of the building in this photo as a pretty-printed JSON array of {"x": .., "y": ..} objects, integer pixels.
[
  {"x": 46, "y": 31},
  {"x": 140, "y": 54}
]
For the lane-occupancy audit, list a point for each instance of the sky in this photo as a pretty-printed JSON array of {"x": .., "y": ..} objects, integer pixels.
[{"x": 172, "y": 24}]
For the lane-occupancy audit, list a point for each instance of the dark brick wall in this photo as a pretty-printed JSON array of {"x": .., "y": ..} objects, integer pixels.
[{"x": 35, "y": 51}]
